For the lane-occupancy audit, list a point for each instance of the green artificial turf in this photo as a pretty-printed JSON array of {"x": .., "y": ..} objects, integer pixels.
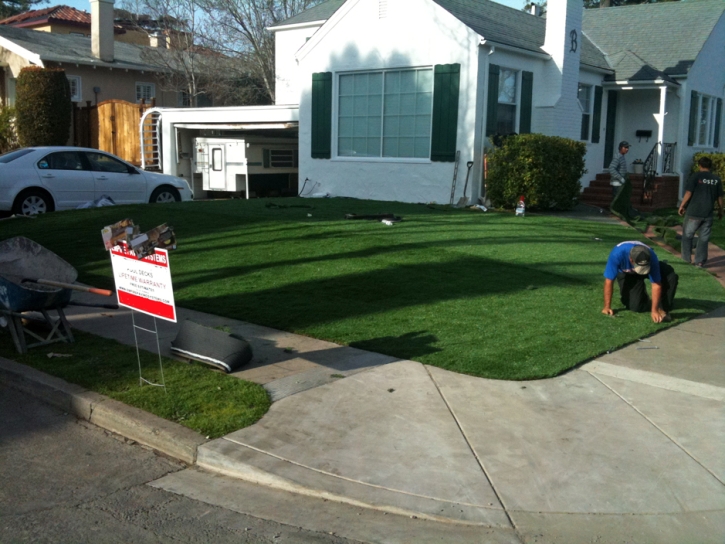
[
  {"x": 487, "y": 294},
  {"x": 204, "y": 400},
  {"x": 717, "y": 236}
]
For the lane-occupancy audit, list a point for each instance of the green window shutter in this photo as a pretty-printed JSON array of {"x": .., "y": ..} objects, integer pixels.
[
  {"x": 527, "y": 92},
  {"x": 597, "y": 117},
  {"x": 691, "y": 133},
  {"x": 718, "y": 121},
  {"x": 446, "y": 83},
  {"x": 321, "y": 115},
  {"x": 492, "y": 110},
  {"x": 265, "y": 158}
]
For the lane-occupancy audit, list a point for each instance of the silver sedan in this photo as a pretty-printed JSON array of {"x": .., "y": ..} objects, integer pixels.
[{"x": 43, "y": 179}]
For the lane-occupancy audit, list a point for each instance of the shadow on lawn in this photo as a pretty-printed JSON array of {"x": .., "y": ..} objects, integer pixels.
[{"x": 315, "y": 301}]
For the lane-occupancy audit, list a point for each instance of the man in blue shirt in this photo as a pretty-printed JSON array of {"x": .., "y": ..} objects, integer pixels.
[{"x": 630, "y": 263}]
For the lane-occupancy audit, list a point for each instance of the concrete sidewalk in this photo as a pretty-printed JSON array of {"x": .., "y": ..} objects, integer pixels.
[{"x": 628, "y": 447}]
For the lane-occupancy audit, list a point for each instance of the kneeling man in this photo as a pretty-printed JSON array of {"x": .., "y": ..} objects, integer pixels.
[{"x": 630, "y": 263}]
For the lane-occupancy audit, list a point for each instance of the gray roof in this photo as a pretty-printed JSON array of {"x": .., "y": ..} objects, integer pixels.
[
  {"x": 493, "y": 21},
  {"x": 52, "y": 47},
  {"x": 498, "y": 23},
  {"x": 647, "y": 41},
  {"x": 320, "y": 12}
]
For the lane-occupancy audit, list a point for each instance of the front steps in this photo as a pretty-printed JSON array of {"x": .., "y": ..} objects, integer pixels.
[{"x": 664, "y": 194}]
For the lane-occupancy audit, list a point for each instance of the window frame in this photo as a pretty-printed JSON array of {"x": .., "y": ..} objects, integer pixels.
[
  {"x": 151, "y": 87},
  {"x": 78, "y": 96},
  {"x": 587, "y": 113},
  {"x": 710, "y": 121},
  {"x": 382, "y": 156}
]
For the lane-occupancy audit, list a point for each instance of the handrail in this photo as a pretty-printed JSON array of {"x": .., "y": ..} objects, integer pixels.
[{"x": 650, "y": 167}]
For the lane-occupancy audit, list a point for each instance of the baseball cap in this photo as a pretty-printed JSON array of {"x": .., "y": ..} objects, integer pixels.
[
  {"x": 624, "y": 143},
  {"x": 640, "y": 257}
]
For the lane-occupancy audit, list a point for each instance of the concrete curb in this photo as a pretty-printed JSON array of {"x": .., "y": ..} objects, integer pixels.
[{"x": 165, "y": 436}]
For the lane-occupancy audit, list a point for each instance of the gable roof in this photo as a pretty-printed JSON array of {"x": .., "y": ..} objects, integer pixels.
[
  {"x": 320, "y": 12},
  {"x": 647, "y": 41},
  {"x": 493, "y": 21},
  {"x": 56, "y": 14},
  {"x": 50, "y": 47}
]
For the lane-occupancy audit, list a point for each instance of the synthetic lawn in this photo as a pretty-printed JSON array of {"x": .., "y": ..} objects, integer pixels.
[
  {"x": 717, "y": 236},
  {"x": 486, "y": 294},
  {"x": 206, "y": 401}
]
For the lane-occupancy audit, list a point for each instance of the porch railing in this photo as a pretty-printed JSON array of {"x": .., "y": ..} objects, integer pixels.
[{"x": 650, "y": 167}]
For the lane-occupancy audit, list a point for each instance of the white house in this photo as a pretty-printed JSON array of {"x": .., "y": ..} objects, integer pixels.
[{"x": 390, "y": 90}]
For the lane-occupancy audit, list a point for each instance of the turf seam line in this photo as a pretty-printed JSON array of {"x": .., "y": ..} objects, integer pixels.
[
  {"x": 470, "y": 447},
  {"x": 670, "y": 438}
]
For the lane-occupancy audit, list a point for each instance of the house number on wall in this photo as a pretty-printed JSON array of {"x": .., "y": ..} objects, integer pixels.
[{"x": 574, "y": 44}]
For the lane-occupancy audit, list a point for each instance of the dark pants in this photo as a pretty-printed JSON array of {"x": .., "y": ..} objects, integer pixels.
[{"x": 633, "y": 291}]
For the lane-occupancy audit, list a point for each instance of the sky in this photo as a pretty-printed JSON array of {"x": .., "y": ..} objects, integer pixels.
[{"x": 86, "y": 5}]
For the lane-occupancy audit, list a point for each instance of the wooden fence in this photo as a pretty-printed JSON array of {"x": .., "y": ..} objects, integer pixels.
[{"x": 112, "y": 125}]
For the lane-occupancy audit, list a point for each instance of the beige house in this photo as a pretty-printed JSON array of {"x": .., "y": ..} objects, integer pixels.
[{"x": 98, "y": 69}]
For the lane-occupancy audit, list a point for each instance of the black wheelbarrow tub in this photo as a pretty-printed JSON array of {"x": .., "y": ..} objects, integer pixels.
[{"x": 21, "y": 260}]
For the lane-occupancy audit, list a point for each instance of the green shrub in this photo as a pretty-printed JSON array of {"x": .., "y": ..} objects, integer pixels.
[
  {"x": 8, "y": 136},
  {"x": 718, "y": 162},
  {"x": 544, "y": 169},
  {"x": 43, "y": 107}
]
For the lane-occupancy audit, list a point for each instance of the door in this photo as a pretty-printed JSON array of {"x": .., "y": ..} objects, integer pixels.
[
  {"x": 67, "y": 177},
  {"x": 609, "y": 130},
  {"x": 217, "y": 170},
  {"x": 121, "y": 181}
]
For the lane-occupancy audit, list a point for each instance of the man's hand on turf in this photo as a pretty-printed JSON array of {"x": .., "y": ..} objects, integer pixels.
[{"x": 608, "y": 311}]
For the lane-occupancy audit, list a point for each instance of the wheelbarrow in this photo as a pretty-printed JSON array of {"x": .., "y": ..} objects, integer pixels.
[{"x": 22, "y": 290}]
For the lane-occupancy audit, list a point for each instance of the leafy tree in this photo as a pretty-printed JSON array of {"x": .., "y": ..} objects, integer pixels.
[{"x": 8, "y": 8}]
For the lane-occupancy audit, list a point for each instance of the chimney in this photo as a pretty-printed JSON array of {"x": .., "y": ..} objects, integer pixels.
[
  {"x": 561, "y": 77},
  {"x": 102, "y": 29},
  {"x": 535, "y": 10}
]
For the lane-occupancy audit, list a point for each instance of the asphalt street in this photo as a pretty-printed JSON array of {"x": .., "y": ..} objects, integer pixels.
[{"x": 64, "y": 480}]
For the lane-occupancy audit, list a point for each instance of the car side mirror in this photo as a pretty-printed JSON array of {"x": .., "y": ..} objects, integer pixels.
[{"x": 133, "y": 170}]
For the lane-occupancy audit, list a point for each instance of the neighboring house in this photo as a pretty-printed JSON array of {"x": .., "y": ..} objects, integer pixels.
[
  {"x": 98, "y": 69},
  {"x": 390, "y": 90},
  {"x": 68, "y": 20}
]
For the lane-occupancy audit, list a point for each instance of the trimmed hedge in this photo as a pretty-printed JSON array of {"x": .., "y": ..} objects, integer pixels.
[
  {"x": 718, "y": 162},
  {"x": 43, "y": 107},
  {"x": 544, "y": 169}
]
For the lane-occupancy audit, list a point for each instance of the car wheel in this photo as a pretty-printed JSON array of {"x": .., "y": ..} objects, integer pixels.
[
  {"x": 165, "y": 194},
  {"x": 33, "y": 202}
]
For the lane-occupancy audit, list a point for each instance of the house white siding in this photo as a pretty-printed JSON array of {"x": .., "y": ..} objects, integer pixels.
[
  {"x": 287, "y": 73},
  {"x": 412, "y": 34},
  {"x": 706, "y": 76}
]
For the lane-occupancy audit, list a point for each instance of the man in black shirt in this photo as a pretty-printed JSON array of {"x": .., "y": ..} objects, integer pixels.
[{"x": 702, "y": 190}]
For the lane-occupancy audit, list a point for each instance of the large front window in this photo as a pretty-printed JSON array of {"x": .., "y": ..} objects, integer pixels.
[
  {"x": 385, "y": 113},
  {"x": 506, "y": 102},
  {"x": 707, "y": 112}
]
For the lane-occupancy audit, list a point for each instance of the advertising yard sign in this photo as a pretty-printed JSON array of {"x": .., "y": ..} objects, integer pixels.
[{"x": 144, "y": 284}]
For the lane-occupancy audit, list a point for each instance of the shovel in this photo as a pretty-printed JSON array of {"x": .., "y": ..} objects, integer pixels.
[{"x": 463, "y": 201}]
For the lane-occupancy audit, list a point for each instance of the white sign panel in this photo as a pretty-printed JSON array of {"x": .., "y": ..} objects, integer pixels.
[{"x": 144, "y": 284}]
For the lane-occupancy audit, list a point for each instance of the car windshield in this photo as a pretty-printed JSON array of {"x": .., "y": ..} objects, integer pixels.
[{"x": 8, "y": 157}]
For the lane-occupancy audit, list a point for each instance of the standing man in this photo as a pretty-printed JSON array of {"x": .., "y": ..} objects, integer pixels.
[
  {"x": 618, "y": 169},
  {"x": 702, "y": 190},
  {"x": 630, "y": 263}
]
